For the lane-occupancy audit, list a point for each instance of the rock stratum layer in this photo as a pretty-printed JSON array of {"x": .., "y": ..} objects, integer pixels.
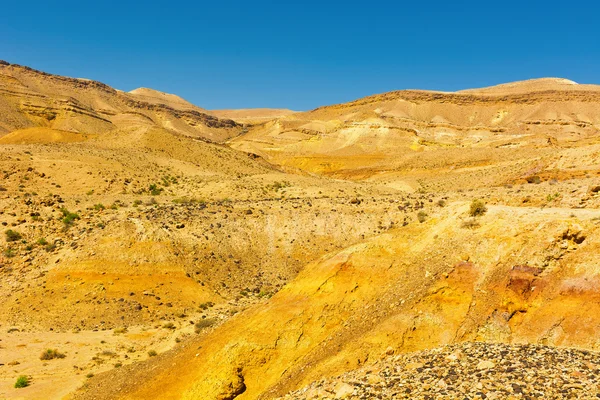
[
  {"x": 402, "y": 138},
  {"x": 31, "y": 98}
]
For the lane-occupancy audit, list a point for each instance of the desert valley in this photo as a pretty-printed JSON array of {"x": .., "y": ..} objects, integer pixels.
[{"x": 412, "y": 244}]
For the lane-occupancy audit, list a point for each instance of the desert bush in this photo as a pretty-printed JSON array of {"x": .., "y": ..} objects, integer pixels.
[
  {"x": 22, "y": 381},
  {"x": 422, "y": 216},
  {"x": 42, "y": 242},
  {"x": 9, "y": 253},
  {"x": 207, "y": 305},
  {"x": 152, "y": 353},
  {"x": 477, "y": 208},
  {"x": 99, "y": 207},
  {"x": 204, "y": 323},
  {"x": 534, "y": 179},
  {"x": 552, "y": 197},
  {"x": 441, "y": 203},
  {"x": 51, "y": 354},
  {"x": 68, "y": 217},
  {"x": 169, "y": 325},
  {"x": 12, "y": 236},
  {"x": 154, "y": 189},
  {"x": 470, "y": 223},
  {"x": 50, "y": 247}
]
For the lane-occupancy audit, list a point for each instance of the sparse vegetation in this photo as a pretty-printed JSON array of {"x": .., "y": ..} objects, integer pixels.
[
  {"x": 68, "y": 217},
  {"x": 422, "y": 216},
  {"x": 51, "y": 354},
  {"x": 470, "y": 223},
  {"x": 152, "y": 353},
  {"x": 477, "y": 208},
  {"x": 277, "y": 186},
  {"x": 207, "y": 305},
  {"x": 204, "y": 323},
  {"x": 22, "y": 381},
  {"x": 155, "y": 190},
  {"x": 9, "y": 252},
  {"x": 12, "y": 236},
  {"x": 552, "y": 197}
]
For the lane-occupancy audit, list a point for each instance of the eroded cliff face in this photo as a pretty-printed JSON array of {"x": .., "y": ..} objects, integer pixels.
[
  {"x": 517, "y": 276},
  {"x": 31, "y": 98}
]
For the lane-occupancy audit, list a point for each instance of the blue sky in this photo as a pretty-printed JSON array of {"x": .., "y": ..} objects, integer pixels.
[{"x": 303, "y": 54}]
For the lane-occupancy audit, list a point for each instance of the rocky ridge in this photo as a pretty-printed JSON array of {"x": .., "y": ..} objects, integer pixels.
[{"x": 468, "y": 371}]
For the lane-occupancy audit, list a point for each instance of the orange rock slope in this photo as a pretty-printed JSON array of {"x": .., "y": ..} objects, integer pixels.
[{"x": 517, "y": 275}]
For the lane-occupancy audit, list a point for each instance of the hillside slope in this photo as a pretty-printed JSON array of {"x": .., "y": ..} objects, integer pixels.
[
  {"x": 521, "y": 276},
  {"x": 30, "y": 98}
]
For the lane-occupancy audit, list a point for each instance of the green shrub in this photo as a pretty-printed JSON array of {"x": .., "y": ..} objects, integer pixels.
[
  {"x": 68, "y": 217},
  {"x": 155, "y": 190},
  {"x": 9, "y": 253},
  {"x": 22, "y": 381},
  {"x": 42, "y": 242},
  {"x": 12, "y": 236},
  {"x": 477, "y": 208},
  {"x": 51, "y": 354},
  {"x": 99, "y": 207}
]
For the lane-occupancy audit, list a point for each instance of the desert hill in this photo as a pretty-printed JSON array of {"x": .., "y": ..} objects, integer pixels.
[
  {"x": 417, "y": 134},
  {"x": 157, "y": 97},
  {"x": 533, "y": 85},
  {"x": 153, "y": 249},
  {"x": 30, "y": 98}
]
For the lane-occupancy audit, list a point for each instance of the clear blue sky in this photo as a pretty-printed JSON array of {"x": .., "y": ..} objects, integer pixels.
[{"x": 302, "y": 54}]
